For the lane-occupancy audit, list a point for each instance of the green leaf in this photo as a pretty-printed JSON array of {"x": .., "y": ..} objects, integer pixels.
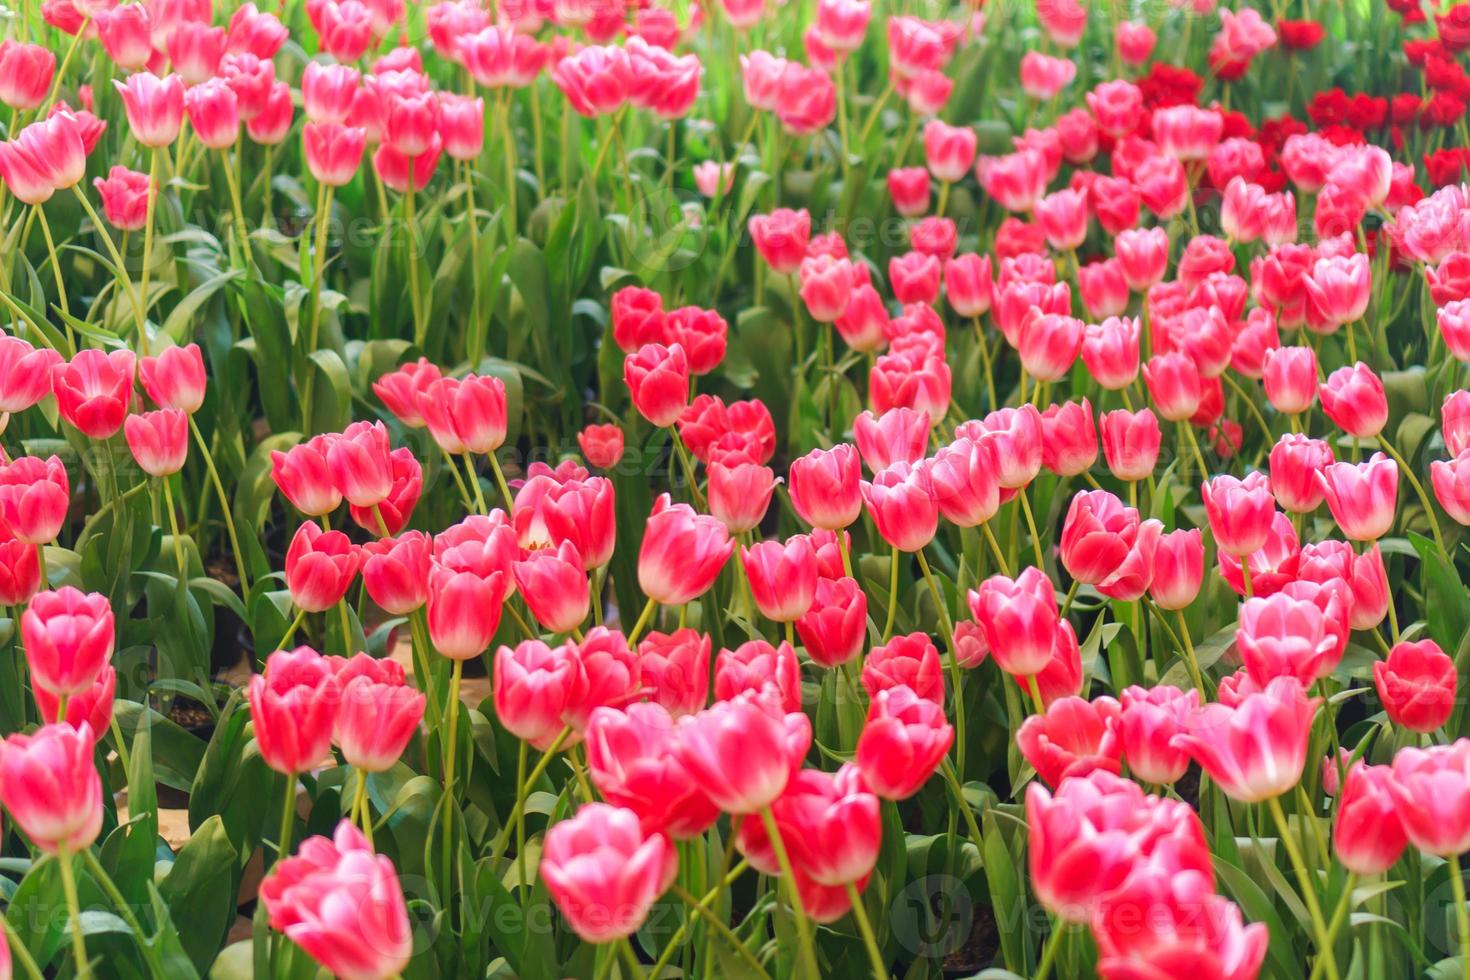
[{"x": 200, "y": 891}]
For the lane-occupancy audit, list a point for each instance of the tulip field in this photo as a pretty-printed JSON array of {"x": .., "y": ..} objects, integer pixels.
[{"x": 734, "y": 489}]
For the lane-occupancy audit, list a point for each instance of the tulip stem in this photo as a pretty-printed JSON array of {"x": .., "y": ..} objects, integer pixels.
[
  {"x": 1418, "y": 489},
  {"x": 18, "y": 949},
  {"x": 1199, "y": 456},
  {"x": 173, "y": 526},
  {"x": 500, "y": 482},
  {"x": 1245, "y": 575},
  {"x": 497, "y": 847},
  {"x": 892, "y": 595},
  {"x": 346, "y": 627},
  {"x": 149, "y": 214},
  {"x": 959, "y": 797},
  {"x": 1192, "y": 657},
  {"x": 1000, "y": 557},
  {"x": 319, "y": 267},
  {"x": 291, "y": 630},
  {"x": 956, "y": 677},
  {"x": 803, "y": 927},
  {"x": 1338, "y": 915},
  {"x": 1309, "y": 893},
  {"x": 643, "y": 619},
  {"x": 410, "y": 217},
  {"x": 233, "y": 183},
  {"x": 688, "y": 466},
  {"x": 56, "y": 271},
  {"x": 361, "y": 809},
  {"x": 702, "y": 908},
  {"x": 625, "y": 949},
  {"x": 860, "y": 915},
  {"x": 224, "y": 507},
  {"x": 1032, "y": 686},
  {"x": 521, "y": 756},
  {"x": 288, "y": 818},
  {"x": 451, "y": 730},
  {"x": 1031, "y": 526},
  {"x": 1462, "y": 914},
  {"x": 1049, "y": 951},
  {"x": 117, "y": 259},
  {"x": 74, "y": 908},
  {"x": 1071, "y": 595},
  {"x": 684, "y": 927},
  {"x": 124, "y": 910}
]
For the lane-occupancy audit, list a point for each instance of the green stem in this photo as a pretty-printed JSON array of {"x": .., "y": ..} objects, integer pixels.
[
  {"x": 19, "y": 951},
  {"x": 892, "y": 596},
  {"x": 1462, "y": 914},
  {"x": 237, "y": 206},
  {"x": 319, "y": 262},
  {"x": 56, "y": 272},
  {"x": 521, "y": 756},
  {"x": 1309, "y": 893},
  {"x": 643, "y": 619},
  {"x": 117, "y": 259},
  {"x": 124, "y": 910},
  {"x": 288, "y": 818},
  {"x": 497, "y": 847},
  {"x": 149, "y": 209},
  {"x": 1031, "y": 526},
  {"x": 500, "y": 482},
  {"x": 700, "y": 907},
  {"x": 224, "y": 506},
  {"x": 860, "y": 915},
  {"x": 360, "y": 805},
  {"x": 1338, "y": 915},
  {"x": 705, "y": 902},
  {"x": 956, "y": 675},
  {"x": 451, "y": 730},
  {"x": 1418, "y": 489},
  {"x": 1049, "y": 952},
  {"x": 291, "y": 630},
  {"x": 803, "y": 926},
  {"x": 173, "y": 526},
  {"x": 74, "y": 910},
  {"x": 964, "y": 807}
]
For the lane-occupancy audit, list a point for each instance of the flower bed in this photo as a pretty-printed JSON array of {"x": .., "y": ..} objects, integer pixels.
[{"x": 577, "y": 488}]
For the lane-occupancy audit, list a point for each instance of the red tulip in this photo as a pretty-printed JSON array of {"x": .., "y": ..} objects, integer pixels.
[
  {"x": 68, "y": 639},
  {"x": 294, "y": 707},
  {"x": 343, "y": 905},
  {"x": 1416, "y": 685},
  {"x": 909, "y": 661},
  {"x": 835, "y": 628},
  {"x": 1239, "y": 511},
  {"x": 909, "y": 189},
  {"x": 25, "y": 74},
  {"x": 1014, "y": 436},
  {"x": 743, "y": 751},
  {"x": 303, "y": 475},
  {"x": 555, "y": 587},
  {"x": 829, "y": 823},
  {"x": 1285, "y": 636},
  {"x": 159, "y": 440},
  {"x": 658, "y": 382},
  {"x": 1272, "y": 566},
  {"x": 175, "y": 378},
  {"x": 25, "y": 373},
  {"x": 632, "y": 762},
  {"x": 963, "y": 478},
  {"x": 1174, "y": 384},
  {"x": 20, "y": 571},
  {"x": 1149, "y": 719},
  {"x": 781, "y": 238},
  {"x": 1296, "y": 463},
  {"x": 1354, "y": 399},
  {"x": 826, "y": 287},
  {"x": 93, "y": 390},
  {"x": 674, "y": 669},
  {"x": 1179, "y": 569},
  {"x": 1019, "y": 618},
  {"x": 320, "y": 565},
  {"x": 395, "y": 572},
  {"x": 903, "y": 740},
  {"x": 610, "y": 676},
  {"x": 602, "y": 445},
  {"x": 1368, "y": 837},
  {"x": 703, "y": 335},
  {"x": 949, "y": 150},
  {"x": 967, "y": 283},
  {"x": 604, "y": 871},
  {"x": 1431, "y": 793},
  {"x": 1130, "y": 442},
  {"x": 1097, "y": 535},
  {"x": 740, "y": 495},
  {"x": 1338, "y": 288},
  {"x": 375, "y": 722},
  {"x": 50, "y": 786},
  {"x": 1256, "y": 750},
  {"x": 360, "y": 464},
  {"x": 464, "y": 610},
  {"x": 1451, "y": 482},
  {"x": 1362, "y": 496},
  {"x": 898, "y": 435},
  {"x": 682, "y": 553},
  {"x": 270, "y": 126},
  {"x": 34, "y": 496},
  {"x": 1072, "y": 738},
  {"x": 534, "y": 685},
  {"x": 154, "y": 106},
  {"x": 1069, "y": 438},
  {"x": 762, "y": 668},
  {"x": 92, "y": 707},
  {"x": 902, "y": 504},
  {"x": 1143, "y": 254},
  {"x": 782, "y": 577}
]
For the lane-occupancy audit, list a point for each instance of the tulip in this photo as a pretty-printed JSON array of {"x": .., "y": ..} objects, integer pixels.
[
  {"x": 159, "y": 440},
  {"x": 1416, "y": 685},
  {"x": 963, "y": 478},
  {"x": 948, "y": 150},
  {"x": 1454, "y": 421},
  {"x": 25, "y": 373},
  {"x": 658, "y": 382},
  {"x": 1069, "y": 438},
  {"x": 1338, "y": 288},
  {"x": 1179, "y": 569},
  {"x": 1353, "y": 398},
  {"x": 674, "y": 668},
  {"x": 826, "y": 287},
  {"x": 609, "y": 676},
  {"x": 124, "y": 196},
  {"x": 333, "y": 151},
  {"x": 703, "y": 334},
  {"x": 903, "y": 740},
  {"x": 93, "y": 390},
  {"x": 1063, "y": 217},
  {"x": 910, "y": 661},
  {"x": 825, "y": 487},
  {"x": 1271, "y": 567},
  {"x": 303, "y": 475},
  {"x": 743, "y": 751},
  {"x": 1096, "y": 535},
  {"x": 1042, "y": 76},
  {"x": 899, "y": 435},
  {"x": 1149, "y": 719},
  {"x": 1296, "y": 463},
  {"x": 781, "y": 238},
  {"x": 294, "y": 707},
  {"x": 1451, "y": 482},
  {"x": 464, "y": 610},
  {"x": 68, "y": 639},
  {"x": 1014, "y": 436},
  {"x": 630, "y": 758},
  {"x": 360, "y": 464},
  {"x": 20, "y": 573},
  {"x": 909, "y": 189},
  {"x": 1431, "y": 793},
  {"x": 602, "y": 445},
  {"x": 1362, "y": 496},
  {"x": 34, "y": 497},
  {"x": 1019, "y": 618},
  {"x": 271, "y": 124},
  {"x": 320, "y": 566},
  {"x": 465, "y": 415},
  {"x": 1239, "y": 511},
  {"x": 1174, "y": 384},
  {"x": 902, "y": 504},
  {"x": 375, "y": 722},
  {"x": 555, "y": 587},
  {"x": 830, "y": 824},
  {"x": 1110, "y": 351},
  {"x": 604, "y": 871},
  {"x": 1257, "y": 750},
  {"x": 1143, "y": 254},
  {"x": 343, "y": 905},
  {"x": 1072, "y": 738},
  {"x": 51, "y": 788},
  {"x": 834, "y": 629},
  {"x": 914, "y": 277},
  {"x": 1104, "y": 289},
  {"x": 92, "y": 707},
  {"x": 395, "y": 572},
  {"x": 1285, "y": 636},
  {"x": 154, "y": 106},
  {"x": 1130, "y": 442},
  {"x": 740, "y": 495},
  {"x": 175, "y": 378},
  {"x": 862, "y": 323},
  {"x": 682, "y": 553},
  {"x": 782, "y": 577},
  {"x": 1368, "y": 837},
  {"x": 534, "y": 686},
  {"x": 759, "y": 667},
  {"x": 968, "y": 285}
]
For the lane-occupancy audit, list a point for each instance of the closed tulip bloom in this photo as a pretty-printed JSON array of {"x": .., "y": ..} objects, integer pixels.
[
  {"x": 391, "y": 514},
  {"x": 658, "y": 382},
  {"x": 1130, "y": 442},
  {"x": 581, "y": 511},
  {"x": 1049, "y": 345},
  {"x": 781, "y": 238},
  {"x": 604, "y": 871},
  {"x": 835, "y": 628},
  {"x": 68, "y": 638},
  {"x": 1416, "y": 685},
  {"x": 949, "y": 150},
  {"x": 154, "y": 106},
  {"x": 375, "y": 722},
  {"x": 831, "y": 823},
  {"x": 1162, "y": 918},
  {"x": 910, "y": 661},
  {"x": 902, "y": 743},
  {"x": 303, "y": 475},
  {"x": 1354, "y": 399},
  {"x": 34, "y": 496},
  {"x": 826, "y": 286},
  {"x": 25, "y": 74},
  {"x": 602, "y": 444},
  {"x": 963, "y": 478},
  {"x": 1104, "y": 290},
  {"x": 968, "y": 284},
  {"x": 740, "y": 495},
  {"x": 743, "y": 751},
  {"x": 1149, "y": 719},
  {"x": 124, "y": 33},
  {"x": 914, "y": 277},
  {"x": 20, "y": 573},
  {"x": 395, "y": 572},
  {"x": 759, "y": 667},
  {"x": 1453, "y": 319},
  {"x": 320, "y": 565},
  {"x": 1096, "y": 535},
  {"x": 1143, "y": 254},
  {"x": 1042, "y": 76},
  {"x": 1069, "y": 438},
  {"x": 825, "y": 486},
  {"x": 674, "y": 670},
  {"x": 1239, "y": 511},
  {"x": 159, "y": 440},
  {"x": 1284, "y": 636},
  {"x": 1110, "y": 351},
  {"x": 464, "y": 610},
  {"x": 360, "y": 464},
  {"x": 682, "y": 553},
  {"x": 555, "y": 587},
  {"x": 327, "y": 91},
  {"x": 214, "y": 113},
  {"x": 899, "y": 435},
  {"x": 1063, "y": 217},
  {"x": 333, "y": 151},
  {"x": 51, "y": 788},
  {"x": 631, "y": 760},
  {"x": 1451, "y": 482},
  {"x": 343, "y": 905},
  {"x": 25, "y": 373},
  {"x": 93, "y": 391},
  {"x": 271, "y": 124},
  {"x": 782, "y": 577},
  {"x": 1454, "y": 421},
  {"x": 466, "y": 415},
  {"x": 1272, "y": 566},
  {"x": 1296, "y": 462},
  {"x": 175, "y": 378},
  {"x": 1368, "y": 837},
  {"x": 1072, "y": 738},
  {"x": 908, "y": 187},
  {"x": 92, "y": 707},
  {"x": 294, "y": 706},
  {"x": 1019, "y": 618},
  {"x": 862, "y": 324},
  {"x": 1431, "y": 792},
  {"x": 703, "y": 334},
  {"x": 902, "y": 504},
  {"x": 1362, "y": 496},
  {"x": 124, "y": 194},
  {"x": 1339, "y": 287},
  {"x": 609, "y": 672},
  {"x": 1179, "y": 569},
  {"x": 1014, "y": 436},
  {"x": 1174, "y": 384},
  {"x": 1364, "y": 574},
  {"x": 534, "y": 686},
  {"x": 1256, "y": 750}
]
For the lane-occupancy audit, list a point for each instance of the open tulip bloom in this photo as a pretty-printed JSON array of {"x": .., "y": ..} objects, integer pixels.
[{"x": 591, "y": 489}]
